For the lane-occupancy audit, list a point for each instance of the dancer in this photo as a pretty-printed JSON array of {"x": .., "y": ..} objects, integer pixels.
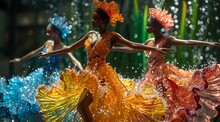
[
  {"x": 19, "y": 94},
  {"x": 191, "y": 95},
  {"x": 105, "y": 97}
]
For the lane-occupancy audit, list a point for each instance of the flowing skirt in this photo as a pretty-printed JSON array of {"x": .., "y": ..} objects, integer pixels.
[
  {"x": 190, "y": 95},
  {"x": 113, "y": 99},
  {"x": 19, "y": 96}
]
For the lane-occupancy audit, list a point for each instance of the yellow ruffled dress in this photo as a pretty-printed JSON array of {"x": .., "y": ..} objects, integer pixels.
[{"x": 114, "y": 100}]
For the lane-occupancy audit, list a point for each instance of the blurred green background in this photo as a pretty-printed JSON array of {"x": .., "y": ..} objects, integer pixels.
[{"x": 23, "y": 24}]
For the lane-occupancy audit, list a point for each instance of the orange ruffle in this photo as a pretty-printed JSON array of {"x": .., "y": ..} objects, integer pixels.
[
  {"x": 112, "y": 100},
  {"x": 111, "y": 10},
  {"x": 162, "y": 17}
]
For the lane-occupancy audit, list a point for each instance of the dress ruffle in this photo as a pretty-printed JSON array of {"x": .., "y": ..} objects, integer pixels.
[
  {"x": 210, "y": 96},
  {"x": 59, "y": 102},
  {"x": 190, "y": 95},
  {"x": 112, "y": 100},
  {"x": 19, "y": 96}
]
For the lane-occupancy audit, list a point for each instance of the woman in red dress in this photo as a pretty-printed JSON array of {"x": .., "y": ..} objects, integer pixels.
[{"x": 191, "y": 95}]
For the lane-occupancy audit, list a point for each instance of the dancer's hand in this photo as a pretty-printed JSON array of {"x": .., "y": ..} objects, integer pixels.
[
  {"x": 15, "y": 60},
  {"x": 216, "y": 44},
  {"x": 40, "y": 55}
]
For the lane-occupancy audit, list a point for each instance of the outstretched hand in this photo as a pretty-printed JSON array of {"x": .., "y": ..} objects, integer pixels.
[
  {"x": 40, "y": 55},
  {"x": 15, "y": 60},
  {"x": 216, "y": 44}
]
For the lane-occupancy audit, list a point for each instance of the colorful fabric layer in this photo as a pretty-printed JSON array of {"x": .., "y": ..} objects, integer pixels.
[
  {"x": 111, "y": 10},
  {"x": 19, "y": 96},
  {"x": 162, "y": 17},
  {"x": 112, "y": 99},
  {"x": 188, "y": 93}
]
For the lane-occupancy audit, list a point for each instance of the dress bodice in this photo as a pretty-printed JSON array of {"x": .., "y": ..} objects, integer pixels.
[
  {"x": 97, "y": 49},
  {"x": 155, "y": 59},
  {"x": 50, "y": 63}
]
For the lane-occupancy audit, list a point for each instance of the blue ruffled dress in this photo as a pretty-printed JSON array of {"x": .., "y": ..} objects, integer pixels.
[{"x": 18, "y": 97}]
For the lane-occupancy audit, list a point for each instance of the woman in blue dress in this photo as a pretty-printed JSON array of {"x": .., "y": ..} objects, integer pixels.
[{"x": 18, "y": 97}]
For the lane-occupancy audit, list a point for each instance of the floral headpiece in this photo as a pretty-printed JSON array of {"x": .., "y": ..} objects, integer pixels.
[
  {"x": 162, "y": 17},
  {"x": 62, "y": 24},
  {"x": 111, "y": 10}
]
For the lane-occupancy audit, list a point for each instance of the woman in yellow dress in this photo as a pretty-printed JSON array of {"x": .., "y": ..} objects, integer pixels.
[{"x": 97, "y": 91}]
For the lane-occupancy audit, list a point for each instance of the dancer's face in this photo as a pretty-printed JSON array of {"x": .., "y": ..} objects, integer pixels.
[
  {"x": 153, "y": 26},
  {"x": 96, "y": 22},
  {"x": 51, "y": 32},
  {"x": 150, "y": 27}
]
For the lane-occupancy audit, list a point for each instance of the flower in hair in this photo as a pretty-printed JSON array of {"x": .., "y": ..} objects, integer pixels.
[
  {"x": 111, "y": 10},
  {"x": 162, "y": 17},
  {"x": 62, "y": 24}
]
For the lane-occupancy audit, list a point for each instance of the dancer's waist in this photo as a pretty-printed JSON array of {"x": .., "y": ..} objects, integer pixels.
[{"x": 96, "y": 61}]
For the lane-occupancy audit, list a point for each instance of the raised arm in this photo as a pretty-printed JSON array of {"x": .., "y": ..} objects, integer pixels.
[
  {"x": 137, "y": 46},
  {"x": 179, "y": 42},
  {"x": 75, "y": 61},
  {"x": 70, "y": 48},
  {"x": 33, "y": 53}
]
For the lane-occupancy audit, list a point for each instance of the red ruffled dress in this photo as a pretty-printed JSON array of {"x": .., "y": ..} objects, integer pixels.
[{"x": 191, "y": 95}]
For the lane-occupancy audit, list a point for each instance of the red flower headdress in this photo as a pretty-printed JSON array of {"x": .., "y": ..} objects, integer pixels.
[
  {"x": 162, "y": 17},
  {"x": 111, "y": 10}
]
